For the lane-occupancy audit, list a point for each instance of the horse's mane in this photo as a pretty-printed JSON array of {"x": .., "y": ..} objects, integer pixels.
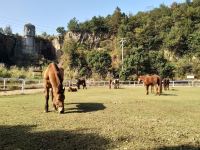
[{"x": 58, "y": 76}]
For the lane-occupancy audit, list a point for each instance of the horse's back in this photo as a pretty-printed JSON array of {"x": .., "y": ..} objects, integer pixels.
[{"x": 51, "y": 74}]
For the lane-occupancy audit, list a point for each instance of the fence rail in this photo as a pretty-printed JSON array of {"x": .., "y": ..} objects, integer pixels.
[{"x": 7, "y": 84}]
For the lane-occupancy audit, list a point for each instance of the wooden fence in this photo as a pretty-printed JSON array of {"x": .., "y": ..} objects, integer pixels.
[{"x": 7, "y": 84}]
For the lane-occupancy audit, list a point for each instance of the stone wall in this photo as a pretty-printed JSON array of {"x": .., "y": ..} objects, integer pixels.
[{"x": 12, "y": 51}]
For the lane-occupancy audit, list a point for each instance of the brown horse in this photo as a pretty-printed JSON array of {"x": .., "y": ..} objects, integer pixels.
[
  {"x": 81, "y": 82},
  {"x": 53, "y": 78},
  {"x": 72, "y": 89},
  {"x": 151, "y": 80},
  {"x": 166, "y": 83}
]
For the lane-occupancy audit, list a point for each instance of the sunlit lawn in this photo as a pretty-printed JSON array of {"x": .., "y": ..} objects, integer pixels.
[{"x": 99, "y": 118}]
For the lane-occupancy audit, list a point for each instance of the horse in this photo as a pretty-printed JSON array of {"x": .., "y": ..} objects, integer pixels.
[
  {"x": 151, "y": 80},
  {"x": 115, "y": 83},
  {"x": 166, "y": 83},
  {"x": 110, "y": 83},
  {"x": 53, "y": 78},
  {"x": 81, "y": 82},
  {"x": 72, "y": 89}
]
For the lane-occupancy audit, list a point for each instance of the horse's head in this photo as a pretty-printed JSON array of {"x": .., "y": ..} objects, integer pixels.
[{"x": 59, "y": 98}]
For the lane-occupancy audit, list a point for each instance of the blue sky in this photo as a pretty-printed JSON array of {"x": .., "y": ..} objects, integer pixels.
[{"x": 47, "y": 15}]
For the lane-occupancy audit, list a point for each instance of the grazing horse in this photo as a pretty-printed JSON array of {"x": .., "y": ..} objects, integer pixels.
[
  {"x": 72, "y": 89},
  {"x": 151, "y": 80},
  {"x": 81, "y": 82},
  {"x": 53, "y": 78},
  {"x": 115, "y": 83},
  {"x": 166, "y": 83}
]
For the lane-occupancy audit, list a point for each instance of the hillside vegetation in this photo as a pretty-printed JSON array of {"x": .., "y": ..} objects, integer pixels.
[{"x": 165, "y": 41}]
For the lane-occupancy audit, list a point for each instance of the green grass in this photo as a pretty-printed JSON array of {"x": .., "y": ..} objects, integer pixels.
[{"x": 99, "y": 118}]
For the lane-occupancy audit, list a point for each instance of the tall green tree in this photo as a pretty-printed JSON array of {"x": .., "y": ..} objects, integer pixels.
[
  {"x": 115, "y": 20},
  {"x": 73, "y": 25},
  {"x": 100, "y": 62},
  {"x": 71, "y": 53},
  {"x": 61, "y": 30}
]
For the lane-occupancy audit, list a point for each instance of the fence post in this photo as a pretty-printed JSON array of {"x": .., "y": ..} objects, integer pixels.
[
  {"x": 192, "y": 83},
  {"x": 23, "y": 85},
  {"x": 172, "y": 83},
  {"x": 4, "y": 84},
  {"x": 134, "y": 83}
]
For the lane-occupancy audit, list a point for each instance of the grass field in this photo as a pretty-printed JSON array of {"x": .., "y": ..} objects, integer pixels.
[{"x": 99, "y": 118}]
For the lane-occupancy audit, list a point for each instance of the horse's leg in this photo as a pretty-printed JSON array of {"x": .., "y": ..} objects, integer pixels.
[
  {"x": 157, "y": 90},
  {"x": 147, "y": 89},
  {"x": 54, "y": 106},
  {"x": 152, "y": 89},
  {"x": 46, "y": 99}
]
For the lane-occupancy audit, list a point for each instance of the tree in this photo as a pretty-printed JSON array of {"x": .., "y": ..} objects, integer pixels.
[
  {"x": 61, "y": 30},
  {"x": 176, "y": 40},
  {"x": 73, "y": 25},
  {"x": 71, "y": 53},
  {"x": 135, "y": 63},
  {"x": 194, "y": 42},
  {"x": 99, "y": 62},
  {"x": 7, "y": 30},
  {"x": 159, "y": 65},
  {"x": 1, "y": 30},
  {"x": 140, "y": 62},
  {"x": 98, "y": 26},
  {"x": 115, "y": 20},
  {"x": 44, "y": 34}
]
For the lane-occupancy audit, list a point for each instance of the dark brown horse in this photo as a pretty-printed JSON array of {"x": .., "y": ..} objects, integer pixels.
[
  {"x": 72, "y": 89},
  {"x": 166, "y": 83},
  {"x": 81, "y": 82},
  {"x": 53, "y": 78},
  {"x": 151, "y": 80},
  {"x": 115, "y": 83}
]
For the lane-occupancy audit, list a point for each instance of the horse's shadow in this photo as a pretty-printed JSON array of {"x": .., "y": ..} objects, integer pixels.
[
  {"x": 83, "y": 107},
  {"x": 165, "y": 94},
  {"x": 179, "y": 147}
]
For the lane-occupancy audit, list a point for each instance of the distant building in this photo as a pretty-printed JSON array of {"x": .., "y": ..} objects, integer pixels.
[{"x": 29, "y": 41}]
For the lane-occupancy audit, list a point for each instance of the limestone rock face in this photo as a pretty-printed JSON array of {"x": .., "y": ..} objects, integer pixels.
[{"x": 90, "y": 39}]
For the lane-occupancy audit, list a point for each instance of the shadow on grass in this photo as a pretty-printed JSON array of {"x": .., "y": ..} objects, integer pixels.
[
  {"x": 22, "y": 137},
  {"x": 179, "y": 147},
  {"x": 84, "y": 107},
  {"x": 120, "y": 88},
  {"x": 165, "y": 94}
]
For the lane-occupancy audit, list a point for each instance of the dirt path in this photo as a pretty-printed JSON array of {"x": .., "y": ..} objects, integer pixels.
[{"x": 16, "y": 92}]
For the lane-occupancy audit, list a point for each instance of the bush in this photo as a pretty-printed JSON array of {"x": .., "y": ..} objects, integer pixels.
[{"x": 4, "y": 73}]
